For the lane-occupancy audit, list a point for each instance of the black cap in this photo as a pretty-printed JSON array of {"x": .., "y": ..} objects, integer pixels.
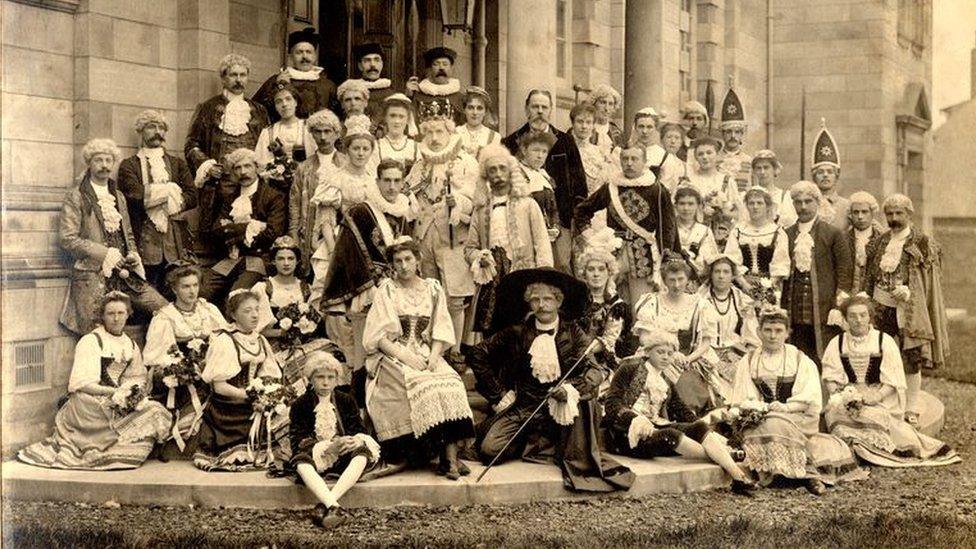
[
  {"x": 439, "y": 52},
  {"x": 362, "y": 50},
  {"x": 307, "y": 34}
]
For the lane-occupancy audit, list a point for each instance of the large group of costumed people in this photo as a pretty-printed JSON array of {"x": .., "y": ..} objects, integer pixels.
[{"x": 326, "y": 265}]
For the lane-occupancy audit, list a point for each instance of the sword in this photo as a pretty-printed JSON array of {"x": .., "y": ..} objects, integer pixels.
[{"x": 590, "y": 348}]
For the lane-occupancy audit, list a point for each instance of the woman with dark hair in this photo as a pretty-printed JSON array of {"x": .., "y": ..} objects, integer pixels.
[
  {"x": 235, "y": 357},
  {"x": 863, "y": 366},
  {"x": 281, "y": 289},
  {"x": 414, "y": 398},
  {"x": 692, "y": 320},
  {"x": 760, "y": 245},
  {"x": 289, "y": 133},
  {"x": 185, "y": 324},
  {"x": 780, "y": 382},
  {"x": 697, "y": 239},
  {"x": 479, "y": 129},
  {"x": 735, "y": 320},
  {"x": 102, "y": 426}
]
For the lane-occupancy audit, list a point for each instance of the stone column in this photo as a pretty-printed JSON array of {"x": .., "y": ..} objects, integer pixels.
[
  {"x": 204, "y": 35},
  {"x": 531, "y": 54},
  {"x": 644, "y": 57}
]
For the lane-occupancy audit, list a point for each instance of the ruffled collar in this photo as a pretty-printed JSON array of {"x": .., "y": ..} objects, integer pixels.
[
  {"x": 378, "y": 84},
  {"x": 446, "y": 154},
  {"x": 296, "y": 74},
  {"x": 111, "y": 217},
  {"x": 891, "y": 257},
  {"x": 430, "y": 88},
  {"x": 325, "y": 419},
  {"x": 645, "y": 179},
  {"x": 237, "y": 114},
  {"x": 400, "y": 208}
]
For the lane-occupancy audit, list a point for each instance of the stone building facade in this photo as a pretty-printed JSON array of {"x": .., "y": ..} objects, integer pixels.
[{"x": 77, "y": 69}]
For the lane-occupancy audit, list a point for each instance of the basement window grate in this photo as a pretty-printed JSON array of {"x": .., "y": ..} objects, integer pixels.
[{"x": 29, "y": 370}]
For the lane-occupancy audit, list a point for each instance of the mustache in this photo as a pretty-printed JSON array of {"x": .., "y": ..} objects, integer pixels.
[{"x": 441, "y": 72}]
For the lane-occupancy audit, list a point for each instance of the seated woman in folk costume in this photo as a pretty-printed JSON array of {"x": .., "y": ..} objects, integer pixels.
[
  {"x": 693, "y": 320},
  {"x": 781, "y": 384},
  {"x": 607, "y": 317},
  {"x": 646, "y": 418},
  {"x": 346, "y": 291},
  {"x": 185, "y": 326},
  {"x": 697, "y": 240},
  {"x": 105, "y": 424},
  {"x": 863, "y": 373},
  {"x": 278, "y": 292},
  {"x": 507, "y": 233},
  {"x": 328, "y": 438},
  {"x": 761, "y": 247},
  {"x": 736, "y": 329},
  {"x": 414, "y": 398},
  {"x": 235, "y": 434},
  {"x": 290, "y": 134},
  {"x": 396, "y": 143},
  {"x": 478, "y": 131}
]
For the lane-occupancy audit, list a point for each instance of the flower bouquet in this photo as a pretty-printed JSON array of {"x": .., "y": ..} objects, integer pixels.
[
  {"x": 763, "y": 293},
  {"x": 269, "y": 397},
  {"x": 743, "y": 418},
  {"x": 280, "y": 171},
  {"x": 850, "y": 399},
  {"x": 183, "y": 368},
  {"x": 127, "y": 398},
  {"x": 298, "y": 321}
]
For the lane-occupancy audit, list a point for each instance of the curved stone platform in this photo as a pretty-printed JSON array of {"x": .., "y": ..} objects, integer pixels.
[{"x": 180, "y": 484}]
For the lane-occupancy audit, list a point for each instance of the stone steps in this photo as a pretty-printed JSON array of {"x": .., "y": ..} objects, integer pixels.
[{"x": 179, "y": 483}]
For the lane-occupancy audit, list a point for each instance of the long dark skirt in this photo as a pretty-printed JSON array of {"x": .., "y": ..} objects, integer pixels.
[{"x": 225, "y": 433}]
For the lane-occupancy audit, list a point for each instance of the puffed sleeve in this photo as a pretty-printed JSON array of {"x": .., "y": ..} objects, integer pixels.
[
  {"x": 440, "y": 318},
  {"x": 216, "y": 320},
  {"x": 750, "y": 324},
  {"x": 743, "y": 389},
  {"x": 708, "y": 318},
  {"x": 780, "y": 265},
  {"x": 87, "y": 366},
  {"x": 382, "y": 320},
  {"x": 709, "y": 248},
  {"x": 646, "y": 307},
  {"x": 892, "y": 371},
  {"x": 266, "y": 317},
  {"x": 833, "y": 370},
  {"x": 806, "y": 388},
  {"x": 159, "y": 339},
  {"x": 787, "y": 213},
  {"x": 261, "y": 149},
  {"x": 221, "y": 363},
  {"x": 732, "y": 248}
]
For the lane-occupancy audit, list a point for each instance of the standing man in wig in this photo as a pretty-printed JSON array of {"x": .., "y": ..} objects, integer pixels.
[
  {"x": 439, "y": 86},
  {"x": 821, "y": 272},
  {"x": 862, "y": 232},
  {"x": 606, "y": 133},
  {"x": 825, "y": 170},
  {"x": 158, "y": 188},
  {"x": 315, "y": 90},
  {"x": 563, "y": 164},
  {"x": 904, "y": 278},
  {"x": 694, "y": 117}
]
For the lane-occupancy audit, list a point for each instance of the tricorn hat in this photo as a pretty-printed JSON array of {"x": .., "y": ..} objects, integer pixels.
[
  {"x": 510, "y": 305},
  {"x": 733, "y": 115},
  {"x": 825, "y": 152},
  {"x": 370, "y": 48},
  {"x": 434, "y": 54},
  {"x": 307, "y": 34}
]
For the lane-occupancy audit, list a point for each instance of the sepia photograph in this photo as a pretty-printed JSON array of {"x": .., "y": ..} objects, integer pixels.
[{"x": 487, "y": 273}]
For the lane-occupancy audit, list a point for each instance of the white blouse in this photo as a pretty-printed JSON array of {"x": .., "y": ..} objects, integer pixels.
[
  {"x": 753, "y": 237},
  {"x": 859, "y": 351},
  {"x": 292, "y": 138},
  {"x": 222, "y": 361},
  {"x": 170, "y": 324},
  {"x": 474, "y": 141},
  {"x": 702, "y": 235},
  {"x": 87, "y": 366},
  {"x": 787, "y": 362},
  {"x": 652, "y": 308},
  {"x": 391, "y": 300},
  {"x": 281, "y": 295}
]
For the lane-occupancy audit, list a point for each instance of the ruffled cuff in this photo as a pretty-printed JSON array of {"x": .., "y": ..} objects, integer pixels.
[
  {"x": 253, "y": 229},
  {"x": 564, "y": 413},
  {"x": 640, "y": 428},
  {"x": 835, "y": 318},
  {"x": 483, "y": 275},
  {"x": 323, "y": 456},
  {"x": 200, "y": 178},
  {"x": 371, "y": 446},
  {"x": 112, "y": 258}
]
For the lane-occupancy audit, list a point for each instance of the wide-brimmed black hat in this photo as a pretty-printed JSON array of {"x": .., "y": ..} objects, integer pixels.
[
  {"x": 362, "y": 50},
  {"x": 510, "y": 305},
  {"x": 307, "y": 34},
  {"x": 434, "y": 54}
]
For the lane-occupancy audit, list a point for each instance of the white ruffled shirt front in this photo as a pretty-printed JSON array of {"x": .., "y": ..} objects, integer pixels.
[{"x": 236, "y": 115}]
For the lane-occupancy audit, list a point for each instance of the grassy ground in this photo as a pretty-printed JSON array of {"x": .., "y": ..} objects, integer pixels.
[
  {"x": 933, "y": 507},
  {"x": 961, "y": 365}
]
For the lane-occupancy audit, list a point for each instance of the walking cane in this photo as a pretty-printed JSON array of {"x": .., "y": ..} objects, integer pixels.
[
  {"x": 590, "y": 348},
  {"x": 450, "y": 227}
]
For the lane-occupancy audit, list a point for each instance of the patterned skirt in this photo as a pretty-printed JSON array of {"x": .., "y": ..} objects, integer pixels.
[{"x": 90, "y": 436}]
